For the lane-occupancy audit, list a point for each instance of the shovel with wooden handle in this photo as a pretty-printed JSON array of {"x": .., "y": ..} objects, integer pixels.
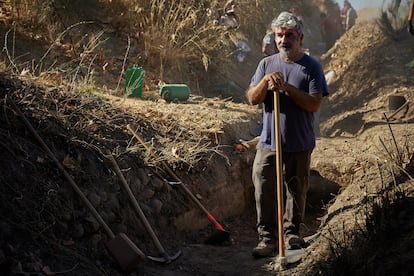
[
  {"x": 282, "y": 261},
  {"x": 292, "y": 256},
  {"x": 124, "y": 251},
  {"x": 164, "y": 256},
  {"x": 221, "y": 236}
]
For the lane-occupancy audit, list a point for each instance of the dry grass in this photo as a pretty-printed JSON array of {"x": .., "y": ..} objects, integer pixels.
[
  {"x": 176, "y": 38},
  {"x": 392, "y": 20}
]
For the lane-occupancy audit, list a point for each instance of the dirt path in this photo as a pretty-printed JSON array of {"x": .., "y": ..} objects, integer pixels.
[{"x": 201, "y": 259}]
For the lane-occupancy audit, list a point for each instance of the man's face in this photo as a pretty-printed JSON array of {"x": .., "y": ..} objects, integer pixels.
[{"x": 288, "y": 41}]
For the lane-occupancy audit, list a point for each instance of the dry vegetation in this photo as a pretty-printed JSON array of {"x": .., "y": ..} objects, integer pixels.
[{"x": 169, "y": 38}]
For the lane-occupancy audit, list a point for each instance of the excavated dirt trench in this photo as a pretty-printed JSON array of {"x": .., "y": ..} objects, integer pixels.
[
  {"x": 78, "y": 137},
  {"x": 229, "y": 192}
]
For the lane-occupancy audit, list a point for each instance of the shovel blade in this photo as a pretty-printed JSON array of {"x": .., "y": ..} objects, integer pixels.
[
  {"x": 125, "y": 252},
  {"x": 219, "y": 237},
  {"x": 165, "y": 258},
  {"x": 294, "y": 255}
]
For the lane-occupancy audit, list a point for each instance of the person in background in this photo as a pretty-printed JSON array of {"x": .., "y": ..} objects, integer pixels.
[
  {"x": 410, "y": 18},
  {"x": 300, "y": 82},
  {"x": 229, "y": 19},
  {"x": 348, "y": 16},
  {"x": 294, "y": 11},
  {"x": 268, "y": 43},
  {"x": 343, "y": 13},
  {"x": 330, "y": 29},
  {"x": 242, "y": 50},
  {"x": 393, "y": 7}
]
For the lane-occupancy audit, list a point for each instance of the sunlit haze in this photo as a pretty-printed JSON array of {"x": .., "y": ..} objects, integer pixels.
[{"x": 360, "y": 4}]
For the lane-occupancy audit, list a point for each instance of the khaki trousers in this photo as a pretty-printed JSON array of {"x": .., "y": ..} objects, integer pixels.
[{"x": 296, "y": 179}]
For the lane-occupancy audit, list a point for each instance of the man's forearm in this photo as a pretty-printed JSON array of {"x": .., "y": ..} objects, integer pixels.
[
  {"x": 257, "y": 94},
  {"x": 309, "y": 102}
]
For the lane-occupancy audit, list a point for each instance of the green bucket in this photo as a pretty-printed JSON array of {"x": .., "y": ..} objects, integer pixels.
[
  {"x": 134, "y": 81},
  {"x": 175, "y": 92}
]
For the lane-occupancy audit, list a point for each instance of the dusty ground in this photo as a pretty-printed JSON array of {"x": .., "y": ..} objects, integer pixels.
[{"x": 46, "y": 230}]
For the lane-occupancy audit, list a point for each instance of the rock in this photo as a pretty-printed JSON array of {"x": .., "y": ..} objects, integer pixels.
[
  {"x": 111, "y": 217},
  {"x": 2, "y": 256},
  {"x": 91, "y": 225},
  {"x": 147, "y": 193},
  {"x": 67, "y": 215},
  {"x": 135, "y": 185},
  {"x": 95, "y": 239},
  {"x": 120, "y": 228},
  {"x": 78, "y": 231},
  {"x": 104, "y": 196},
  {"x": 113, "y": 203},
  {"x": 156, "y": 205},
  {"x": 157, "y": 183},
  {"x": 115, "y": 185},
  {"x": 61, "y": 227},
  {"x": 142, "y": 174},
  {"x": 94, "y": 199},
  {"x": 5, "y": 231}
]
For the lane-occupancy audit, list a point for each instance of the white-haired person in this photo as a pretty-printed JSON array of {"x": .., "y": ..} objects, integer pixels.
[{"x": 300, "y": 82}]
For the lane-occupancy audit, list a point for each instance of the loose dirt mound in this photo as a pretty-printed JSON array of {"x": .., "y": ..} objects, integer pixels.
[
  {"x": 81, "y": 131},
  {"x": 368, "y": 68},
  {"x": 358, "y": 149}
]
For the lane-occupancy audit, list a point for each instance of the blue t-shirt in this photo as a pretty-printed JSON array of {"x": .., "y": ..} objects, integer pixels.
[{"x": 296, "y": 124}]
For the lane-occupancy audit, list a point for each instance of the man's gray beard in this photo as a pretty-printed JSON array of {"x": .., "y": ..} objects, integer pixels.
[{"x": 284, "y": 53}]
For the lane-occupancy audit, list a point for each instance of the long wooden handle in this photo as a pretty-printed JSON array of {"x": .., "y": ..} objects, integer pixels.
[
  {"x": 136, "y": 206},
  {"x": 279, "y": 174}
]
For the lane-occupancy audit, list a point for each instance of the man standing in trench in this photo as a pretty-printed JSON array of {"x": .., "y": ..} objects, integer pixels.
[{"x": 300, "y": 82}]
